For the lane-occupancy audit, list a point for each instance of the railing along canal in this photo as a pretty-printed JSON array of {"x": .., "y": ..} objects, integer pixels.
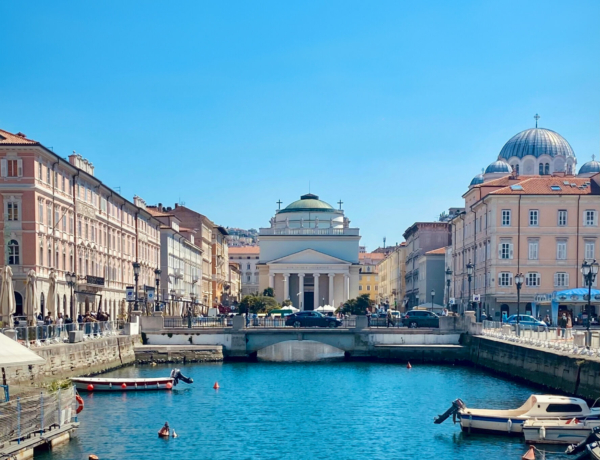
[{"x": 258, "y": 322}]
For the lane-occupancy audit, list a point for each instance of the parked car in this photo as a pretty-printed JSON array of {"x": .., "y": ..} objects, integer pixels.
[
  {"x": 421, "y": 318},
  {"x": 526, "y": 321},
  {"x": 311, "y": 319}
]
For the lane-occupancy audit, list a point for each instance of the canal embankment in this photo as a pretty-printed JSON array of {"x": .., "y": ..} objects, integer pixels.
[{"x": 177, "y": 354}]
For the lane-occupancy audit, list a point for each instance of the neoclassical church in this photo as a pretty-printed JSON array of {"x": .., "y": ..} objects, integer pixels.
[{"x": 309, "y": 254}]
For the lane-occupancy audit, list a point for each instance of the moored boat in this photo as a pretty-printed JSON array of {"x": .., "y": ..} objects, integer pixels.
[
  {"x": 570, "y": 431},
  {"x": 541, "y": 407},
  {"x": 130, "y": 384}
]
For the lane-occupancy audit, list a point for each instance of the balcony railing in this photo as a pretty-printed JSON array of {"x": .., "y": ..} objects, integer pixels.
[{"x": 309, "y": 231}]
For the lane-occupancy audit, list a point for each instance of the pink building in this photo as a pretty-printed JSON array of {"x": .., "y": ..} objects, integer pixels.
[
  {"x": 59, "y": 217},
  {"x": 541, "y": 225}
]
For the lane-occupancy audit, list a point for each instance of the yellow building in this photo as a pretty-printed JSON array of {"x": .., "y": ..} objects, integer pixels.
[
  {"x": 369, "y": 276},
  {"x": 392, "y": 271}
]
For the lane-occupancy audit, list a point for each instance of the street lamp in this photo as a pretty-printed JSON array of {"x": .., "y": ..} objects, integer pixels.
[
  {"x": 136, "y": 275},
  {"x": 71, "y": 279},
  {"x": 432, "y": 296},
  {"x": 448, "y": 279},
  {"x": 470, "y": 276},
  {"x": 589, "y": 272},
  {"x": 157, "y": 273},
  {"x": 519, "y": 280}
]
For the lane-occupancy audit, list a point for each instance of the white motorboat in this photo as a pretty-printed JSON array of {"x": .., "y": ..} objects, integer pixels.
[
  {"x": 570, "y": 431},
  {"x": 540, "y": 407},
  {"x": 129, "y": 384}
]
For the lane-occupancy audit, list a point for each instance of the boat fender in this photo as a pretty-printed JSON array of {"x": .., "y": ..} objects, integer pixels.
[
  {"x": 80, "y": 404},
  {"x": 542, "y": 433},
  {"x": 509, "y": 424},
  {"x": 174, "y": 435}
]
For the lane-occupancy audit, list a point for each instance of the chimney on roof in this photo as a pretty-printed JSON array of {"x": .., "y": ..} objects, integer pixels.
[
  {"x": 20, "y": 134},
  {"x": 159, "y": 207},
  {"x": 176, "y": 205}
]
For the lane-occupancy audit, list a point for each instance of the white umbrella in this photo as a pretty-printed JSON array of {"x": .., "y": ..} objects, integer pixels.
[
  {"x": 31, "y": 306},
  {"x": 51, "y": 303},
  {"x": 291, "y": 308},
  {"x": 327, "y": 308},
  {"x": 13, "y": 353},
  {"x": 7, "y": 295}
]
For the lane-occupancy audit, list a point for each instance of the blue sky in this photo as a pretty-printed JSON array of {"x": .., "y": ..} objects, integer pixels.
[{"x": 391, "y": 106}]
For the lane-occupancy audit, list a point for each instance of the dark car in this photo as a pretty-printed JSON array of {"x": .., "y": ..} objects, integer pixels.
[
  {"x": 421, "y": 318},
  {"x": 311, "y": 319}
]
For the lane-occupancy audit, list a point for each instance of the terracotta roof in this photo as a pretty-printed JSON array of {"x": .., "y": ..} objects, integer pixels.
[
  {"x": 371, "y": 255},
  {"x": 548, "y": 185},
  {"x": 244, "y": 250},
  {"x": 155, "y": 212},
  {"x": 19, "y": 138},
  {"x": 437, "y": 251}
]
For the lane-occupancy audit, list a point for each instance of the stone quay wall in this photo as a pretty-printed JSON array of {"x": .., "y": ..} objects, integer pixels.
[
  {"x": 75, "y": 359},
  {"x": 149, "y": 354},
  {"x": 576, "y": 375}
]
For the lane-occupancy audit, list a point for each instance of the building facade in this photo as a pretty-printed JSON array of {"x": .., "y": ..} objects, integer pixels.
[
  {"x": 235, "y": 281},
  {"x": 543, "y": 225},
  {"x": 392, "y": 271},
  {"x": 59, "y": 218},
  {"x": 247, "y": 258},
  {"x": 309, "y": 255},
  {"x": 368, "y": 280},
  {"x": 432, "y": 277}
]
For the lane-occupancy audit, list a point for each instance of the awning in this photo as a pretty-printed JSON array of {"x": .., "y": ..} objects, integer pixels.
[{"x": 13, "y": 353}]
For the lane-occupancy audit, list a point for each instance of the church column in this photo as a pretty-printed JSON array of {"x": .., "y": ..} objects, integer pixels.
[
  {"x": 316, "y": 294},
  {"x": 286, "y": 286},
  {"x": 346, "y": 287},
  {"x": 272, "y": 280},
  {"x": 331, "y": 277},
  {"x": 301, "y": 291}
]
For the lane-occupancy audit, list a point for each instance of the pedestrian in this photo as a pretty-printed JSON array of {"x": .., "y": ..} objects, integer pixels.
[
  {"x": 368, "y": 318},
  {"x": 390, "y": 318},
  {"x": 569, "y": 327},
  {"x": 80, "y": 318},
  {"x": 562, "y": 325},
  {"x": 445, "y": 312}
]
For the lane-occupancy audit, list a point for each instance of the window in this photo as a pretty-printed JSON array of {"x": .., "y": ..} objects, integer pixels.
[
  {"x": 541, "y": 169},
  {"x": 12, "y": 211},
  {"x": 360, "y": 287},
  {"x": 40, "y": 175},
  {"x": 505, "y": 250},
  {"x": 368, "y": 287},
  {"x": 555, "y": 188},
  {"x": 56, "y": 216},
  {"x": 505, "y": 279},
  {"x": 562, "y": 218},
  {"x": 63, "y": 183},
  {"x": 71, "y": 223},
  {"x": 561, "y": 279},
  {"x": 564, "y": 408},
  {"x": 13, "y": 252},
  {"x": 247, "y": 266},
  {"x": 534, "y": 217},
  {"x": 64, "y": 221},
  {"x": 41, "y": 212},
  {"x": 79, "y": 228},
  {"x": 532, "y": 279},
  {"x": 12, "y": 168},
  {"x": 547, "y": 169},
  {"x": 590, "y": 250},
  {"x": 49, "y": 214},
  {"x": 561, "y": 250},
  {"x": 590, "y": 218},
  {"x": 506, "y": 217},
  {"x": 48, "y": 175},
  {"x": 534, "y": 250}
]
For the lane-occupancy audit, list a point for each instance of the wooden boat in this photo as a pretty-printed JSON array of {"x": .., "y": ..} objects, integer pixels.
[
  {"x": 122, "y": 384},
  {"x": 571, "y": 431}
]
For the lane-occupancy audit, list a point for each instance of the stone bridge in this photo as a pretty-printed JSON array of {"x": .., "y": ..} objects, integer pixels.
[{"x": 239, "y": 341}]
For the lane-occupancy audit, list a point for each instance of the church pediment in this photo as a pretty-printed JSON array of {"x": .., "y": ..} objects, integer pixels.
[{"x": 308, "y": 256}]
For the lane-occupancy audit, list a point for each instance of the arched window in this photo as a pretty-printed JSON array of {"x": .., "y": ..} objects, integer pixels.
[
  {"x": 541, "y": 169},
  {"x": 13, "y": 252},
  {"x": 42, "y": 304},
  {"x": 18, "y": 304},
  {"x": 547, "y": 169}
]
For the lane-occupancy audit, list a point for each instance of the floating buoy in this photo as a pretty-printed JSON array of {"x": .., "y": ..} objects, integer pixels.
[
  {"x": 123, "y": 385},
  {"x": 90, "y": 387},
  {"x": 174, "y": 435},
  {"x": 216, "y": 386},
  {"x": 530, "y": 454},
  {"x": 408, "y": 366},
  {"x": 93, "y": 457},
  {"x": 169, "y": 385}
]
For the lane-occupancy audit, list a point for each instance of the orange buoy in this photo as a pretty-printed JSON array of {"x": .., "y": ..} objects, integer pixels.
[
  {"x": 80, "y": 404},
  {"x": 93, "y": 457},
  {"x": 90, "y": 387},
  {"x": 123, "y": 385},
  {"x": 216, "y": 386},
  {"x": 530, "y": 454},
  {"x": 169, "y": 385},
  {"x": 408, "y": 366}
]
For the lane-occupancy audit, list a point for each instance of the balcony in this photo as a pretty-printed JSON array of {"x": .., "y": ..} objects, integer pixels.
[{"x": 309, "y": 232}]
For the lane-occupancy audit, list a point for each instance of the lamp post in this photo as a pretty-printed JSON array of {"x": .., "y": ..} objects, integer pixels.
[
  {"x": 157, "y": 273},
  {"x": 136, "y": 275},
  {"x": 448, "y": 279},
  {"x": 519, "y": 279},
  {"x": 589, "y": 272},
  {"x": 432, "y": 296},
  {"x": 469, "y": 277},
  {"x": 71, "y": 279}
]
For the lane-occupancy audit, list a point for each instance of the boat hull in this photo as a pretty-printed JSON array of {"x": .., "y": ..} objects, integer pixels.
[
  {"x": 562, "y": 434},
  {"x": 97, "y": 384},
  {"x": 496, "y": 425}
]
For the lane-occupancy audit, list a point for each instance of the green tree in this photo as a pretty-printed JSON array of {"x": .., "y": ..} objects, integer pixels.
[
  {"x": 258, "y": 304},
  {"x": 268, "y": 292},
  {"x": 357, "y": 306}
]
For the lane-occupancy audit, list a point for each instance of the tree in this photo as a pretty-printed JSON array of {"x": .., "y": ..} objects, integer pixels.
[
  {"x": 357, "y": 306},
  {"x": 268, "y": 292},
  {"x": 258, "y": 304},
  {"x": 287, "y": 303}
]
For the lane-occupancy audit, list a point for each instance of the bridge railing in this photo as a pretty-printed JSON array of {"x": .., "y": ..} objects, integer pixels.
[
  {"x": 36, "y": 336},
  {"x": 177, "y": 322},
  {"x": 195, "y": 322}
]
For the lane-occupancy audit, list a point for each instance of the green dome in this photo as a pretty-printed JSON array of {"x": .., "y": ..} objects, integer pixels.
[{"x": 308, "y": 203}]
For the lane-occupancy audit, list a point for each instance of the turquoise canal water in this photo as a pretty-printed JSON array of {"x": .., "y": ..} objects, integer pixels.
[{"x": 297, "y": 411}]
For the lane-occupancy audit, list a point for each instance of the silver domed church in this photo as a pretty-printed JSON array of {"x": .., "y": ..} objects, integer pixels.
[{"x": 309, "y": 254}]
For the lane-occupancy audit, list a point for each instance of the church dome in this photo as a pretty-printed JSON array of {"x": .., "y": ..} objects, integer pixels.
[
  {"x": 498, "y": 167},
  {"x": 308, "y": 203},
  {"x": 478, "y": 179},
  {"x": 536, "y": 142},
  {"x": 591, "y": 167}
]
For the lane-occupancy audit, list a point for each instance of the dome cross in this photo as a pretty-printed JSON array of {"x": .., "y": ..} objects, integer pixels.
[{"x": 537, "y": 117}]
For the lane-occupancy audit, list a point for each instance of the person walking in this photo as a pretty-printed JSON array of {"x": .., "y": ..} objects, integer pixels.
[
  {"x": 390, "y": 318},
  {"x": 368, "y": 314},
  {"x": 562, "y": 325},
  {"x": 569, "y": 327}
]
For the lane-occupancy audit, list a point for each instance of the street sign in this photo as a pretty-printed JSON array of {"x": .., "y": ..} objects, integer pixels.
[
  {"x": 129, "y": 294},
  {"x": 452, "y": 301},
  {"x": 476, "y": 297},
  {"x": 150, "y": 293}
]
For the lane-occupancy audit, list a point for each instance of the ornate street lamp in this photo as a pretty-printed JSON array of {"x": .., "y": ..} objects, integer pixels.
[
  {"x": 589, "y": 272},
  {"x": 469, "y": 277},
  {"x": 136, "y": 275},
  {"x": 448, "y": 280},
  {"x": 432, "y": 296},
  {"x": 157, "y": 273},
  {"x": 519, "y": 280},
  {"x": 71, "y": 279}
]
